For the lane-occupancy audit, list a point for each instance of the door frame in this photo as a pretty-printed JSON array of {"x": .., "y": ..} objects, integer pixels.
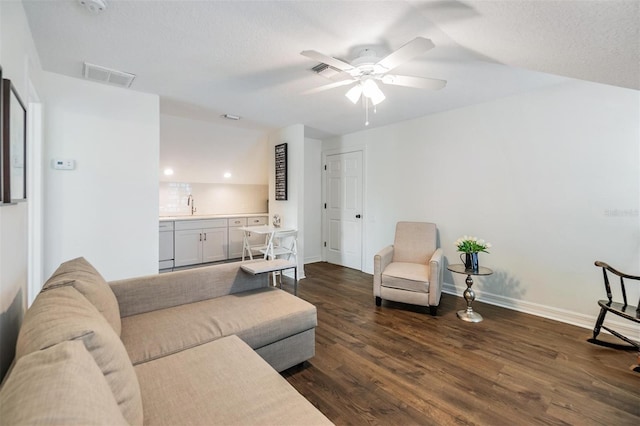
[
  {"x": 345, "y": 150},
  {"x": 35, "y": 191}
]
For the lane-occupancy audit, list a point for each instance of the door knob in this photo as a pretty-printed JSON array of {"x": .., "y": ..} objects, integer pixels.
[{"x": 358, "y": 216}]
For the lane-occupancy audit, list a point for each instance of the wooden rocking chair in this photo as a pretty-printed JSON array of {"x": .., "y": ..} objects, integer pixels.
[{"x": 624, "y": 310}]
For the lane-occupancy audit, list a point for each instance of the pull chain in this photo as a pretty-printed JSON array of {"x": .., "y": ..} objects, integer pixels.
[{"x": 366, "y": 110}]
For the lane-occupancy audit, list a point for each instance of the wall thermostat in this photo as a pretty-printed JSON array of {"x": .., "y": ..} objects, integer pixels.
[{"x": 63, "y": 164}]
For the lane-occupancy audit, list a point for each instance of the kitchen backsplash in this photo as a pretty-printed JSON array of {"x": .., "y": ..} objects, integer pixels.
[{"x": 212, "y": 198}]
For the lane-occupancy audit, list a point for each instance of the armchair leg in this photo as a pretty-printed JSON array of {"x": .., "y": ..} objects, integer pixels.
[
  {"x": 433, "y": 310},
  {"x": 378, "y": 301}
]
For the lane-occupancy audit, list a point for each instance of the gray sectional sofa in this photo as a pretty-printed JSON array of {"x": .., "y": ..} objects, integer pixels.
[{"x": 202, "y": 346}]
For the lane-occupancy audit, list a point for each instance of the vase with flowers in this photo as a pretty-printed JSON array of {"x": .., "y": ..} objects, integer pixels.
[{"x": 470, "y": 247}]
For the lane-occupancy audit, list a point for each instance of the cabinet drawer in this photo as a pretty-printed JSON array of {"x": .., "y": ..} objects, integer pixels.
[
  {"x": 166, "y": 226},
  {"x": 200, "y": 224},
  {"x": 237, "y": 221},
  {"x": 253, "y": 221}
]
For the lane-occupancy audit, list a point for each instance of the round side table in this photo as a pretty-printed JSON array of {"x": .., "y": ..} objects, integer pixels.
[{"x": 469, "y": 314}]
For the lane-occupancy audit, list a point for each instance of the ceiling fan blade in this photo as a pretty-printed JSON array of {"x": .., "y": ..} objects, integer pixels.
[
  {"x": 320, "y": 57},
  {"x": 328, "y": 86},
  {"x": 417, "y": 82},
  {"x": 407, "y": 52}
]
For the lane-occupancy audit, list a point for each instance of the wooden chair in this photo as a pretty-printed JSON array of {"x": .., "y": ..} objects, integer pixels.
[{"x": 624, "y": 310}]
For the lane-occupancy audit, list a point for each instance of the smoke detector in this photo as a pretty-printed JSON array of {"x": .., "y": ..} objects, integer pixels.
[{"x": 93, "y": 6}]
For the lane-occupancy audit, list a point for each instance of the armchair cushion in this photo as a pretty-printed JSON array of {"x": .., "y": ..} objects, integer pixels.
[
  {"x": 407, "y": 276},
  {"x": 414, "y": 242}
]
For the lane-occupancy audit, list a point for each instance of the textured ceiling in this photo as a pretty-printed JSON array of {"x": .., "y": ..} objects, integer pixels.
[{"x": 207, "y": 58}]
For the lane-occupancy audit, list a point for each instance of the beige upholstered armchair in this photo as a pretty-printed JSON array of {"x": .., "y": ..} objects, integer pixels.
[{"x": 410, "y": 270}]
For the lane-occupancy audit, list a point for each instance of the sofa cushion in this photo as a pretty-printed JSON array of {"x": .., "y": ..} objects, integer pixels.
[
  {"x": 80, "y": 274},
  {"x": 407, "y": 276},
  {"x": 60, "y": 385},
  {"x": 160, "y": 291},
  {"x": 233, "y": 385},
  {"x": 62, "y": 314},
  {"x": 259, "y": 317}
]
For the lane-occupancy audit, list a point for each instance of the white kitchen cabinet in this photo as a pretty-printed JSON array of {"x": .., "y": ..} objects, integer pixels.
[
  {"x": 188, "y": 247},
  {"x": 257, "y": 220},
  {"x": 214, "y": 244},
  {"x": 236, "y": 236},
  {"x": 200, "y": 241},
  {"x": 166, "y": 245}
]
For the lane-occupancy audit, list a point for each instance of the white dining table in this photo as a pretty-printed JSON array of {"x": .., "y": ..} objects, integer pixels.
[{"x": 269, "y": 231}]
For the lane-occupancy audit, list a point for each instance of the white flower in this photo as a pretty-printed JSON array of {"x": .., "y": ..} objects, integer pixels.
[{"x": 468, "y": 244}]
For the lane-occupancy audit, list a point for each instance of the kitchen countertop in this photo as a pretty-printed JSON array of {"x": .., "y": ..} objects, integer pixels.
[{"x": 209, "y": 216}]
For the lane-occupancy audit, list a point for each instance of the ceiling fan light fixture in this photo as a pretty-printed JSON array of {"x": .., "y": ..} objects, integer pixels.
[
  {"x": 371, "y": 90},
  {"x": 354, "y": 93},
  {"x": 377, "y": 98}
]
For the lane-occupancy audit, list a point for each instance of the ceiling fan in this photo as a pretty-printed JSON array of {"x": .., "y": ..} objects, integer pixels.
[{"x": 367, "y": 69}]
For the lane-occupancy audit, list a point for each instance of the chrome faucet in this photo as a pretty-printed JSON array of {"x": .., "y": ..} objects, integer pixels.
[{"x": 191, "y": 203}]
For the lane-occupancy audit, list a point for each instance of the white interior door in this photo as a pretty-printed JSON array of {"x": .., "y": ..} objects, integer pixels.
[{"x": 343, "y": 212}]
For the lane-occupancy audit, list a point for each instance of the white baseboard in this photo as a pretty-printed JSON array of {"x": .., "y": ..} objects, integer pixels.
[
  {"x": 313, "y": 259},
  {"x": 581, "y": 320}
]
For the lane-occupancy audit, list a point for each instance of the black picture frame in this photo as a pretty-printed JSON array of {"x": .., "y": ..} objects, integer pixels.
[
  {"x": 14, "y": 144},
  {"x": 2, "y": 194},
  {"x": 281, "y": 172}
]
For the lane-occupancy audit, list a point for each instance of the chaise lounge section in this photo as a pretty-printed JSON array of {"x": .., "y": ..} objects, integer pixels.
[{"x": 201, "y": 346}]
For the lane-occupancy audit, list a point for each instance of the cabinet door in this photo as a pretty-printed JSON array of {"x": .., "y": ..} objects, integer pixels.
[
  {"x": 166, "y": 245},
  {"x": 214, "y": 244},
  {"x": 188, "y": 247},
  {"x": 236, "y": 237}
]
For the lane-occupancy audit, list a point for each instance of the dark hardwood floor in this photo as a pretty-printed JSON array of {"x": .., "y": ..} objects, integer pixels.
[{"x": 398, "y": 365}]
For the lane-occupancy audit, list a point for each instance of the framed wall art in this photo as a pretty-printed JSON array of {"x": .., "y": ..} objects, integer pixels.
[
  {"x": 14, "y": 145},
  {"x": 281, "y": 172},
  {"x": 2, "y": 195}
]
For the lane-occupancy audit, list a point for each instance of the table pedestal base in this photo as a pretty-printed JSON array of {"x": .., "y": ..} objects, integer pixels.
[
  {"x": 469, "y": 295},
  {"x": 469, "y": 316}
]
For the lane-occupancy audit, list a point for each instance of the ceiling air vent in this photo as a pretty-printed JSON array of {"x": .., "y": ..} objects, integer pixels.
[
  {"x": 107, "y": 75},
  {"x": 325, "y": 70}
]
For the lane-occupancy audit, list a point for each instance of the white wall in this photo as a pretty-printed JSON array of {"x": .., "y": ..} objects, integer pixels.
[
  {"x": 291, "y": 211},
  {"x": 551, "y": 178},
  {"x": 200, "y": 152},
  {"x": 20, "y": 64},
  {"x": 107, "y": 208},
  {"x": 312, "y": 200}
]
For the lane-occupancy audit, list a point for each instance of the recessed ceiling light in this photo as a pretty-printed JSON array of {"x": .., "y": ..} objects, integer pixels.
[
  {"x": 231, "y": 117},
  {"x": 168, "y": 172},
  {"x": 227, "y": 175}
]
